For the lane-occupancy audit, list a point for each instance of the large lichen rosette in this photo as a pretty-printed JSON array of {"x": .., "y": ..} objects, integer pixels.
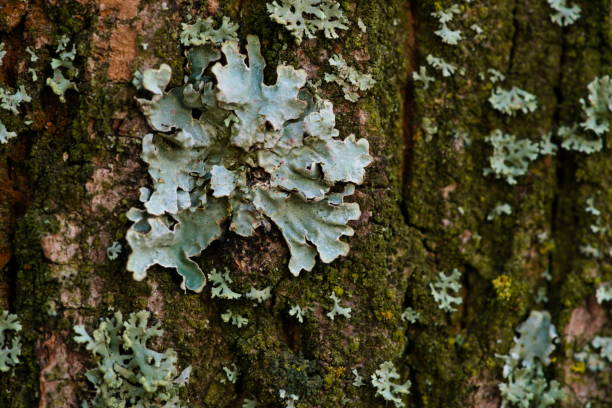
[{"x": 234, "y": 151}]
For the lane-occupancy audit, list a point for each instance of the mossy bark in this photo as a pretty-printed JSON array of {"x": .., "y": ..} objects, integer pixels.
[{"x": 68, "y": 179}]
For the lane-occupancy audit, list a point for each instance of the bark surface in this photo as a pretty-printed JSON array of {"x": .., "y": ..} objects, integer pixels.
[{"x": 72, "y": 173}]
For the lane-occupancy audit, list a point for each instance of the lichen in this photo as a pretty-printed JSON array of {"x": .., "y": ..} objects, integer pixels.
[
  {"x": 526, "y": 385},
  {"x": 5, "y": 134},
  {"x": 511, "y": 157},
  {"x": 10, "y": 342},
  {"x": 348, "y": 78},
  {"x": 444, "y": 17},
  {"x": 202, "y": 32},
  {"x": 441, "y": 65},
  {"x": 127, "y": 371},
  {"x": 64, "y": 70},
  {"x": 337, "y": 309},
  {"x": 209, "y": 169},
  {"x": 442, "y": 289},
  {"x": 304, "y": 18},
  {"x": 513, "y": 100},
  {"x": 564, "y": 15},
  {"x": 382, "y": 380}
]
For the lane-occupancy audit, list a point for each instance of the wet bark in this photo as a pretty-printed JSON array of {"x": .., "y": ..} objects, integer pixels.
[{"x": 69, "y": 177}]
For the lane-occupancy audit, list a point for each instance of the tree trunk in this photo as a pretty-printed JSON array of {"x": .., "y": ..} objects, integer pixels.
[{"x": 69, "y": 177}]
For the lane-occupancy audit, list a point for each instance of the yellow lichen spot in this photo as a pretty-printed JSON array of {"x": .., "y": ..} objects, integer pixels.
[
  {"x": 387, "y": 315},
  {"x": 339, "y": 291},
  {"x": 579, "y": 367},
  {"x": 547, "y": 247},
  {"x": 451, "y": 341},
  {"x": 503, "y": 285}
]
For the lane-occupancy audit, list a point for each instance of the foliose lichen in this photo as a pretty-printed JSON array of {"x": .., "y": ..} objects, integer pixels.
[
  {"x": 128, "y": 371},
  {"x": 439, "y": 64},
  {"x": 511, "y": 157},
  {"x": 513, "y": 100},
  {"x": 564, "y": 15},
  {"x": 304, "y": 18},
  {"x": 337, "y": 309},
  {"x": 256, "y": 152},
  {"x": 64, "y": 70},
  {"x": 348, "y": 78},
  {"x": 383, "y": 380},
  {"x": 442, "y": 289},
  {"x": 526, "y": 385},
  {"x": 444, "y": 17},
  {"x": 10, "y": 342}
]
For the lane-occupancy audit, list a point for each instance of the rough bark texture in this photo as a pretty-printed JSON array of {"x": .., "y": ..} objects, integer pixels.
[{"x": 68, "y": 179}]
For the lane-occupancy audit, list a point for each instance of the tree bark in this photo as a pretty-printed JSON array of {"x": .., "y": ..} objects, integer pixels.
[{"x": 70, "y": 176}]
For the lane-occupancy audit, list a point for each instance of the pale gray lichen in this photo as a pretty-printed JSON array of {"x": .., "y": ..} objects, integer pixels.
[
  {"x": 202, "y": 32},
  {"x": 444, "y": 17},
  {"x": 361, "y": 25},
  {"x": 526, "y": 385},
  {"x": 573, "y": 139},
  {"x": 256, "y": 151},
  {"x": 220, "y": 282},
  {"x": 304, "y": 18},
  {"x": 383, "y": 380},
  {"x": 128, "y": 372},
  {"x": 422, "y": 76},
  {"x": 231, "y": 373},
  {"x": 113, "y": 251},
  {"x": 337, "y": 309},
  {"x": 604, "y": 293},
  {"x": 564, "y": 15},
  {"x": 358, "y": 381},
  {"x": 297, "y": 312},
  {"x": 2, "y": 52},
  {"x": 590, "y": 251},
  {"x": 249, "y": 403},
  {"x": 410, "y": 315},
  {"x": 546, "y": 145},
  {"x": 511, "y": 157},
  {"x": 513, "y": 100},
  {"x": 33, "y": 56},
  {"x": 598, "y": 105},
  {"x": 235, "y": 319},
  {"x": 444, "y": 67},
  {"x": 500, "y": 209},
  {"x": 10, "y": 342},
  {"x": 595, "y": 354},
  {"x": 11, "y": 102},
  {"x": 64, "y": 70},
  {"x": 259, "y": 295},
  {"x": 348, "y": 78},
  {"x": 5, "y": 135},
  {"x": 441, "y": 290},
  {"x": 290, "y": 399}
]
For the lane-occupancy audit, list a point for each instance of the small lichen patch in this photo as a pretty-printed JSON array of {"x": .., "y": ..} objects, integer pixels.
[
  {"x": 442, "y": 289},
  {"x": 10, "y": 342},
  {"x": 304, "y": 18},
  {"x": 126, "y": 368},
  {"x": 348, "y": 78},
  {"x": 383, "y": 380}
]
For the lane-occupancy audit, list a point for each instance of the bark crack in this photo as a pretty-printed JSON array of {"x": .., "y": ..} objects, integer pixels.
[{"x": 515, "y": 25}]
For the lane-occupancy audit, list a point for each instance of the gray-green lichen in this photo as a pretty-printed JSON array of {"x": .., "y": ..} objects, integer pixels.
[
  {"x": 526, "y": 385},
  {"x": 64, "y": 70},
  {"x": 304, "y": 18},
  {"x": 256, "y": 152},
  {"x": 10, "y": 342},
  {"x": 348, "y": 78},
  {"x": 128, "y": 372}
]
